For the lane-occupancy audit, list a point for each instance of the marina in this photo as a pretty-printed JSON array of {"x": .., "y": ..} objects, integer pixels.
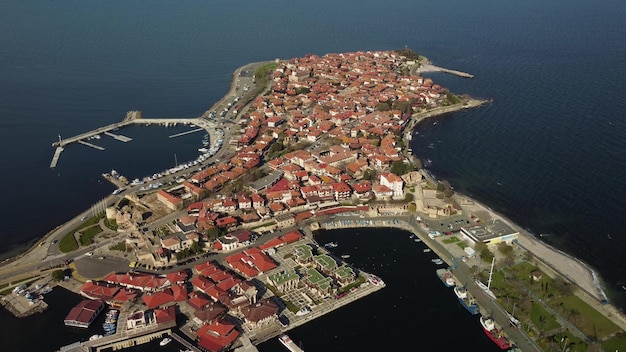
[{"x": 132, "y": 117}]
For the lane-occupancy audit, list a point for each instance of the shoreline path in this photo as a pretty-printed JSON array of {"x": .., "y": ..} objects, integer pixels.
[{"x": 560, "y": 263}]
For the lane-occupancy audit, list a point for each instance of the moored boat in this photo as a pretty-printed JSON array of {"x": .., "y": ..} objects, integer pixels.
[
  {"x": 467, "y": 301},
  {"x": 331, "y": 245},
  {"x": 375, "y": 280},
  {"x": 304, "y": 311},
  {"x": 286, "y": 341},
  {"x": 165, "y": 341},
  {"x": 494, "y": 334},
  {"x": 445, "y": 275}
]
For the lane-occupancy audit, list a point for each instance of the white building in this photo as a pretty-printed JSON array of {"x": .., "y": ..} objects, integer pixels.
[{"x": 394, "y": 183}]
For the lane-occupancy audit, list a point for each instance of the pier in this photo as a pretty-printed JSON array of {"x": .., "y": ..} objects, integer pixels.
[
  {"x": 90, "y": 145},
  {"x": 132, "y": 117},
  {"x": 55, "y": 158},
  {"x": 186, "y": 132},
  {"x": 121, "y": 339},
  {"x": 119, "y": 137},
  {"x": 427, "y": 67}
]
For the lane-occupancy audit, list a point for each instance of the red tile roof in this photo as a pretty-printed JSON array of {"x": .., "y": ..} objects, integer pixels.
[
  {"x": 158, "y": 298},
  {"x": 217, "y": 336},
  {"x": 291, "y": 236},
  {"x": 273, "y": 243},
  {"x": 99, "y": 290},
  {"x": 165, "y": 315}
]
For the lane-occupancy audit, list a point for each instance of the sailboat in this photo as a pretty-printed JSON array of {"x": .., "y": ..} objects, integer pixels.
[{"x": 487, "y": 288}]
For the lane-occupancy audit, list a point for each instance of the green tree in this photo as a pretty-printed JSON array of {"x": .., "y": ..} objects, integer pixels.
[
  {"x": 213, "y": 232},
  {"x": 486, "y": 255},
  {"x": 369, "y": 174},
  {"x": 58, "y": 275},
  {"x": 399, "y": 168},
  {"x": 505, "y": 249}
]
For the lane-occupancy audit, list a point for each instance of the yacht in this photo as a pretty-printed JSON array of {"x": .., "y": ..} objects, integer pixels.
[{"x": 165, "y": 341}]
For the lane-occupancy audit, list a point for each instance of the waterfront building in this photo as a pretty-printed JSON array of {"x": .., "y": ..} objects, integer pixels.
[
  {"x": 318, "y": 283},
  {"x": 490, "y": 233},
  {"x": 260, "y": 314},
  {"x": 95, "y": 290},
  {"x": 84, "y": 313},
  {"x": 217, "y": 336},
  {"x": 284, "y": 281},
  {"x": 344, "y": 275}
]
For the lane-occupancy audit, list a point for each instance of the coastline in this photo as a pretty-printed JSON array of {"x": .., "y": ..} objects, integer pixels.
[
  {"x": 574, "y": 270},
  {"x": 558, "y": 262}
]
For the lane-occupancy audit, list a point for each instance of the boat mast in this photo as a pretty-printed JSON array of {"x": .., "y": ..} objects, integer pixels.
[{"x": 490, "y": 273}]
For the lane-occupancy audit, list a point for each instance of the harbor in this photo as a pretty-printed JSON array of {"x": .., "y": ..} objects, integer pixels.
[{"x": 132, "y": 117}]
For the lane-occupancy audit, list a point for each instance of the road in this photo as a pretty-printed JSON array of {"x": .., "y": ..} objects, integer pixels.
[{"x": 46, "y": 256}]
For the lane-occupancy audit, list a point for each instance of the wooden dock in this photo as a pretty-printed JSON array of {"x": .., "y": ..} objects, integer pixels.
[
  {"x": 186, "y": 132},
  {"x": 55, "y": 158},
  {"x": 90, "y": 145},
  {"x": 119, "y": 137}
]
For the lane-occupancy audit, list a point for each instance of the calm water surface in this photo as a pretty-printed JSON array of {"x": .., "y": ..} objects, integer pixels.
[{"x": 549, "y": 152}]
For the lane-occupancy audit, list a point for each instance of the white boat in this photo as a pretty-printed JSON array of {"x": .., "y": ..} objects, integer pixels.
[
  {"x": 487, "y": 323},
  {"x": 165, "y": 341},
  {"x": 375, "y": 280},
  {"x": 487, "y": 288},
  {"x": 331, "y": 245},
  {"x": 304, "y": 311},
  {"x": 345, "y": 256},
  {"x": 286, "y": 341},
  {"x": 95, "y": 337},
  {"x": 203, "y": 150},
  {"x": 426, "y": 250},
  {"x": 445, "y": 275}
]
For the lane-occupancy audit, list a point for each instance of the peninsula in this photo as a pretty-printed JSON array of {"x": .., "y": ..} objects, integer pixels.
[{"x": 228, "y": 239}]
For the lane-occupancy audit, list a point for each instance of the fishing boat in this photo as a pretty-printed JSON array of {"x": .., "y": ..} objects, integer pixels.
[
  {"x": 494, "y": 334},
  {"x": 467, "y": 301},
  {"x": 445, "y": 275}
]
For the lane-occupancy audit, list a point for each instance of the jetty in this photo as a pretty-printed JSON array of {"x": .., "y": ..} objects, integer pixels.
[
  {"x": 121, "y": 340},
  {"x": 186, "y": 132},
  {"x": 119, "y": 137},
  {"x": 80, "y": 141},
  {"x": 132, "y": 117},
  {"x": 55, "y": 158},
  {"x": 427, "y": 67}
]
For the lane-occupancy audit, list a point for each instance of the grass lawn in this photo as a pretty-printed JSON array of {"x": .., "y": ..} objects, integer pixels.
[
  {"x": 111, "y": 224},
  {"x": 615, "y": 343},
  {"x": 586, "y": 318},
  {"x": 451, "y": 239},
  {"x": 542, "y": 319},
  {"x": 88, "y": 234},
  {"x": 68, "y": 243}
]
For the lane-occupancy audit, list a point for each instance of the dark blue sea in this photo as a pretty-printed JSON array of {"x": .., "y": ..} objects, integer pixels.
[{"x": 549, "y": 152}]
